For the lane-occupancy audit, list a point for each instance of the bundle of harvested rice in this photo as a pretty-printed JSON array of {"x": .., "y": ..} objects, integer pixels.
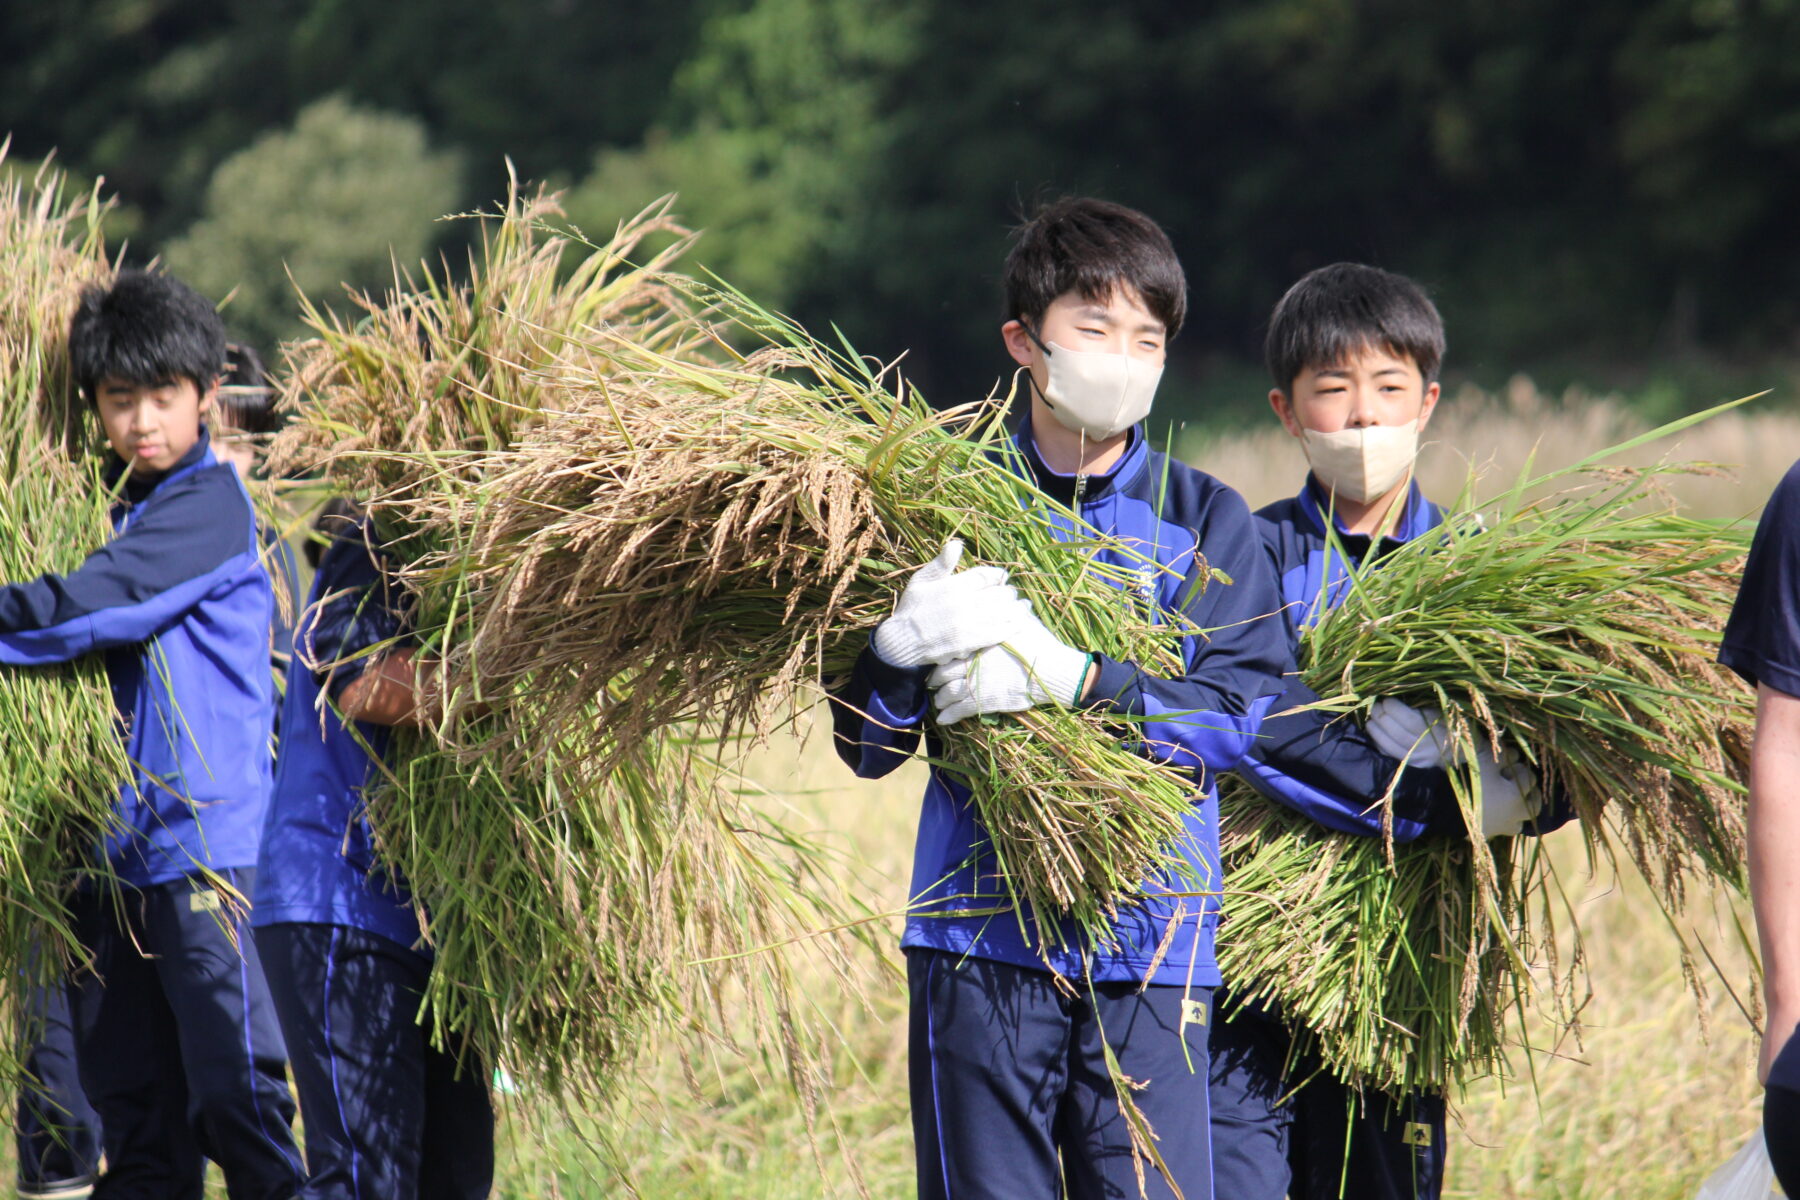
[
  {"x": 60, "y": 769},
  {"x": 618, "y": 531},
  {"x": 1581, "y": 629}
]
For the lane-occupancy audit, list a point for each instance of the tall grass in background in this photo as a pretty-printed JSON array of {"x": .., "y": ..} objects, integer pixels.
[{"x": 61, "y": 757}]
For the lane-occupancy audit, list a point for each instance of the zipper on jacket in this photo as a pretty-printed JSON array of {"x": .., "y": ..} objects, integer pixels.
[{"x": 1080, "y": 489}]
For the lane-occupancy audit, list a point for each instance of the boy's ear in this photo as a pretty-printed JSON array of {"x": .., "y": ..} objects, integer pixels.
[
  {"x": 1018, "y": 342},
  {"x": 1284, "y": 408},
  {"x": 209, "y": 395},
  {"x": 1428, "y": 404}
]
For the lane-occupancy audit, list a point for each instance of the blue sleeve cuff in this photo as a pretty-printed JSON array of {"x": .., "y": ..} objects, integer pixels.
[
  {"x": 900, "y": 690},
  {"x": 1115, "y": 687}
]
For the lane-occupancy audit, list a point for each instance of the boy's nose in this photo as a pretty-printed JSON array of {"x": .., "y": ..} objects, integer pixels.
[{"x": 1362, "y": 410}]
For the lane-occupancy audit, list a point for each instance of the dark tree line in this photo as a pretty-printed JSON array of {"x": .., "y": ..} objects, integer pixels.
[{"x": 1610, "y": 184}]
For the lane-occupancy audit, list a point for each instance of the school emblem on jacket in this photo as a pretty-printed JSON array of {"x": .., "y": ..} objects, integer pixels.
[{"x": 1143, "y": 589}]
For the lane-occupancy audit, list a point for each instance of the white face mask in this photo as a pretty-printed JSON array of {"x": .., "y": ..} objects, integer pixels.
[
  {"x": 1098, "y": 395},
  {"x": 1361, "y": 464}
]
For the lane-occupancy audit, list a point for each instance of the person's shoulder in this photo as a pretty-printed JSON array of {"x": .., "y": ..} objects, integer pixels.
[
  {"x": 353, "y": 558},
  {"x": 206, "y": 509},
  {"x": 210, "y": 492},
  {"x": 1283, "y": 513},
  {"x": 1187, "y": 494},
  {"x": 1784, "y": 501},
  {"x": 1778, "y": 530},
  {"x": 1277, "y": 511}
]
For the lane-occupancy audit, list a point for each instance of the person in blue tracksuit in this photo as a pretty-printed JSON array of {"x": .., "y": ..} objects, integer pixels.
[
  {"x": 1762, "y": 643},
  {"x": 388, "y": 1115},
  {"x": 1010, "y": 1023},
  {"x": 179, "y": 1051},
  {"x": 56, "y": 1134},
  {"x": 1354, "y": 353}
]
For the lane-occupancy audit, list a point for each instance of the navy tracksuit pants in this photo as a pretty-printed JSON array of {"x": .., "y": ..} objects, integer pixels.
[
  {"x": 388, "y": 1116},
  {"x": 56, "y": 1131},
  {"x": 180, "y": 1052},
  {"x": 1322, "y": 1142},
  {"x": 1011, "y": 1095}
]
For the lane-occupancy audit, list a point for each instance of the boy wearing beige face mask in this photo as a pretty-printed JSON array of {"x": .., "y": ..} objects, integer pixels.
[
  {"x": 1353, "y": 352},
  {"x": 1358, "y": 414}
]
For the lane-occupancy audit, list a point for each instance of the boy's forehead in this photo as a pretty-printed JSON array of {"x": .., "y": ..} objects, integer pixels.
[
  {"x": 1121, "y": 303},
  {"x": 1375, "y": 357},
  {"x": 115, "y": 383}
]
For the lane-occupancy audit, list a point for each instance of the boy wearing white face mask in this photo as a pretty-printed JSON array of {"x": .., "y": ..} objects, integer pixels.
[
  {"x": 1011, "y": 1024},
  {"x": 1354, "y": 353}
]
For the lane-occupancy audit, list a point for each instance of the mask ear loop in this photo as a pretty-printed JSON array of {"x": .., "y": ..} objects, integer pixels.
[
  {"x": 1041, "y": 394},
  {"x": 1039, "y": 343},
  {"x": 1030, "y": 378}
]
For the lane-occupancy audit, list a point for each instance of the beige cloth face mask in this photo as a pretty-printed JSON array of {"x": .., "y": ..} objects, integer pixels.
[
  {"x": 1362, "y": 464},
  {"x": 1098, "y": 395}
]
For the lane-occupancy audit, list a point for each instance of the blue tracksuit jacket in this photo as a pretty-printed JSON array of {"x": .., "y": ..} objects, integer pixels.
[
  {"x": 1203, "y": 721},
  {"x": 318, "y": 861},
  {"x": 180, "y": 603},
  {"x": 1318, "y": 763}
]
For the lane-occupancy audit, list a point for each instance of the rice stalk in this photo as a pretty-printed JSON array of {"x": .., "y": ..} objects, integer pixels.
[
  {"x": 62, "y": 761},
  {"x": 1582, "y": 629},
  {"x": 629, "y": 546}
]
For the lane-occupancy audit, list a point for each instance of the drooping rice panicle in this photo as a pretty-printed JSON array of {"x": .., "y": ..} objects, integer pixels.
[
  {"x": 1582, "y": 629},
  {"x": 620, "y": 534},
  {"x": 62, "y": 760},
  {"x": 626, "y": 535}
]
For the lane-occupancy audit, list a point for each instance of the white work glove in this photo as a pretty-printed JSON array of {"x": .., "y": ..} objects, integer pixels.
[
  {"x": 1509, "y": 792},
  {"x": 946, "y": 614},
  {"x": 1416, "y": 736},
  {"x": 1030, "y": 668}
]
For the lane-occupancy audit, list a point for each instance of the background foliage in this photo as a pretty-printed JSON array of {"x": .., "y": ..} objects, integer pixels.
[{"x": 1602, "y": 191}]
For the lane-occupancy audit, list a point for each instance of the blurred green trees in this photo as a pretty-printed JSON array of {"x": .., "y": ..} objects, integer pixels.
[
  {"x": 338, "y": 199},
  {"x": 1607, "y": 184}
]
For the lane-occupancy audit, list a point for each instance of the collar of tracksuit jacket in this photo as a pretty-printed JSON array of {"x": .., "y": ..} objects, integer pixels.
[
  {"x": 139, "y": 485},
  {"x": 1075, "y": 490},
  {"x": 1417, "y": 517}
]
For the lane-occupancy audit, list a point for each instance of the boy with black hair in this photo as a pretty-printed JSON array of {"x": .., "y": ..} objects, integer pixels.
[
  {"x": 178, "y": 1046},
  {"x": 1762, "y": 643},
  {"x": 1011, "y": 1025},
  {"x": 1353, "y": 352},
  {"x": 387, "y": 1113}
]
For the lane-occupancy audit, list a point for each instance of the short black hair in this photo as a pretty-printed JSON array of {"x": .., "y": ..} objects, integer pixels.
[
  {"x": 1092, "y": 247},
  {"x": 144, "y": 328},
  {"x": 1335, "y": 311},
  {"x": 246, "y": 400}
]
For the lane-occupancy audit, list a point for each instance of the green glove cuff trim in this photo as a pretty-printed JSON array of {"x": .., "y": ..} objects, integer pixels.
[{"x": 1087, "y": 664}]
